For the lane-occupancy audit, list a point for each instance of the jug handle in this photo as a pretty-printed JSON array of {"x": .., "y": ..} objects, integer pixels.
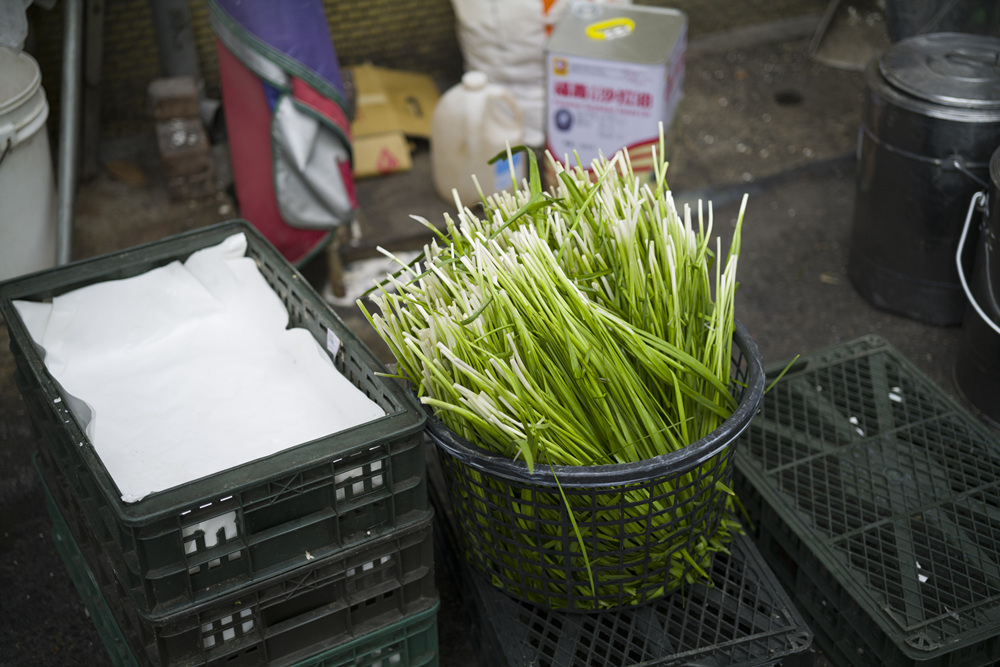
[
  {"x": 977, "y": 199},
  {"x": 472, "y": 138},
  {"x": 507, "y": 99}
]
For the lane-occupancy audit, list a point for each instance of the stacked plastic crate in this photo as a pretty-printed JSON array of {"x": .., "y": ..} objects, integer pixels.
[
  {"x": 876, "y": 501},
  {"x": 319, "y": 555}
]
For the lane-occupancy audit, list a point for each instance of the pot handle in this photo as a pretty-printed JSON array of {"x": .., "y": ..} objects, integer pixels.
[{"x": 977, "y": 199}]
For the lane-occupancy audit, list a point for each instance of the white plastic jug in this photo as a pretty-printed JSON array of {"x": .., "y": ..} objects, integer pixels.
[
  {"x": 27, "y": 186},
  {"x": 472, "y": 122}
]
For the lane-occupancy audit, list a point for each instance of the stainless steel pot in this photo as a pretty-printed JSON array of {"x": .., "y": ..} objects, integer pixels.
[{"x": 931, "y": 120}]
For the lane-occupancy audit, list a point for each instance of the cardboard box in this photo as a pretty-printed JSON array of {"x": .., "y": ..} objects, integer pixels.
[
  {"x": 613, "y": 74},
  {"x": 391, "y": 106}
]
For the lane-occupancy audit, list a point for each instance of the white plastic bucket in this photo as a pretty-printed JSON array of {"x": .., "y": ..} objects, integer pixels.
[
  {"x": 27, "y": 188},
  {"x": 473, "y": 122}
]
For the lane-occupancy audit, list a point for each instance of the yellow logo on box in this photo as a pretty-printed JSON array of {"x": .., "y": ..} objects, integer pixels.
[{"x": 560, "y": 66}]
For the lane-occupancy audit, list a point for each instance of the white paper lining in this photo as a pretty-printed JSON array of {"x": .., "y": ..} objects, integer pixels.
[{"x": 188, "y": 370}]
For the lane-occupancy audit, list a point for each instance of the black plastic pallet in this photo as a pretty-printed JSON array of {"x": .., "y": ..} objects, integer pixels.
[
  {"x": 876, "y": 500},
  {"x": 744, "y": 619}
]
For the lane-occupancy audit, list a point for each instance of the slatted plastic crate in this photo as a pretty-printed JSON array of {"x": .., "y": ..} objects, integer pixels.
[
  {"x": 876, "y": 500},
  {"x": 369, "y": 604},
  {"x": 318, "y": 497},
  {"x": 88, "y": 588},
  {"x": 745, "y": 618},
  {"x": 412, "y": 642}
]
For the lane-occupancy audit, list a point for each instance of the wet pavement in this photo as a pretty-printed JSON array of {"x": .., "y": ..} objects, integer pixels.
[{"x": 759, "y": 117}]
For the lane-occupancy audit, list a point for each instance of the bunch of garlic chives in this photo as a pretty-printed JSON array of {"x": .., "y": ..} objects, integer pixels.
[{"x": 589, "y": 325}]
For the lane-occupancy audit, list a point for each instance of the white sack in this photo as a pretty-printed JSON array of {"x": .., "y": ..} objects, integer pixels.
[{"x": 506, "y": 39}]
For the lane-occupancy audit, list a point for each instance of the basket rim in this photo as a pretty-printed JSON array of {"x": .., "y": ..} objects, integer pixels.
[{"x": 568, "y": 476}]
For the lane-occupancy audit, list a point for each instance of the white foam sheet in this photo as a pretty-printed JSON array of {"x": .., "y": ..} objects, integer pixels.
[{"x": 189, "y": 370}]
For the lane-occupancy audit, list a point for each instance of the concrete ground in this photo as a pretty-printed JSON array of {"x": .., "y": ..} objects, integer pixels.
[{"x": 759, "y": 117}]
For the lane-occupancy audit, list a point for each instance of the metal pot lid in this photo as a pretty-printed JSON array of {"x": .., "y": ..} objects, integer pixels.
[{"x": 952, "y": 69}]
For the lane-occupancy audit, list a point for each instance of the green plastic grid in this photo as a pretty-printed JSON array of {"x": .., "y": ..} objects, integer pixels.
[
  {"x": 315, "y": 610},
  {"x": 411, "y": 642},
  {"x": 876, "y": 499},
  {"x": 317, "y": 497}
]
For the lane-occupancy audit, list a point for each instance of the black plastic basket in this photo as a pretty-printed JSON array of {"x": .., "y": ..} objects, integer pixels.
[
  {"x": 318, "y": 497},
  {"x": 502, "y": 510},
  {"x": 876, "y": 500}
]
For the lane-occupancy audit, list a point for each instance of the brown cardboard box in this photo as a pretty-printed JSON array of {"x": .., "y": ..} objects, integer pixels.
[{"x": 390, "y": 107}]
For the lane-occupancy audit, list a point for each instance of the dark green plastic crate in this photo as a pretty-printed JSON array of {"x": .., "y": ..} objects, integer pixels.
[
  {"x": 876, "y": 500},
  {"x": 412, "y": 642},
  {"x": 368, "y": 603},
  {"x": 285, "y": 505},
  {"x": 88, "y": 588}
]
